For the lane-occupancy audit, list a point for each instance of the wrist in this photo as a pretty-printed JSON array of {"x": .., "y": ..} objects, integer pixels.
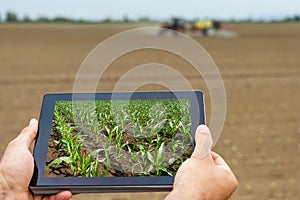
[
  {"x": 3, "y": 185},
  {"x": 5, "y": 192}
]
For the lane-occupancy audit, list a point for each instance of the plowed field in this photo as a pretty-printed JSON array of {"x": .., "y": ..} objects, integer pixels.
[{"x": 261, "y": 72}]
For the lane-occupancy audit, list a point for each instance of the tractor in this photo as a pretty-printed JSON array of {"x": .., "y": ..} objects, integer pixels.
[
  {"x": 207, "y": 27},
  {"x": 175, "y": 24}
]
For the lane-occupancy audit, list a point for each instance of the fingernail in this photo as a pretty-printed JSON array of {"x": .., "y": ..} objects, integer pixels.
[
  {"x": 31, "y": 122},
  {"x": 208, "y": 142},
  {"x": 202, "y": 128}
]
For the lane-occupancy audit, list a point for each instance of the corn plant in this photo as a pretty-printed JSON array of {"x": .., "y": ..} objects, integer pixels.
[
  {"x": 93, "y": 134},
  {"x": 134, "y": 156},
  {"x": 143, "y": 161},
  {"x": 71, "y": 145}
]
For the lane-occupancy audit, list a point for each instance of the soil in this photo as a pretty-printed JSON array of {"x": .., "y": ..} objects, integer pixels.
[
  {"x": 260, "y": 70},
  {"x": 120, "y": 166}
]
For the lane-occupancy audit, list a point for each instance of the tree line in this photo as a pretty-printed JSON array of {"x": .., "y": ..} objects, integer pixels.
[{"x": 12, "y": 17}]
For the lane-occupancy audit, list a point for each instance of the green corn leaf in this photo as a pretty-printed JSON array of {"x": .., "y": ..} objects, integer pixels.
[
  {"x": 115, "y": 129},
  {"x": 107, "y": 129},
  {"x": 169, "y": 172},
  {"x": 96, "y": 167},
  {"x": 59, "y": 160},
  {"x": 150, "y": 168},
  {"x": 150, "y": 157},
  {"x": 161, "y": 154},
  {"x": 171, "y": 160}
]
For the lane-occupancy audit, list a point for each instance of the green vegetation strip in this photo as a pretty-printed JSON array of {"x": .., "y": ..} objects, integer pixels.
[{"x": 122, "y": 138}]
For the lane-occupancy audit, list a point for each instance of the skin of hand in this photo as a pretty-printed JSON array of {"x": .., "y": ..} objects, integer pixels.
[
  {"x": 17, "y": 165},
  {"x": 207, "y": 178}
]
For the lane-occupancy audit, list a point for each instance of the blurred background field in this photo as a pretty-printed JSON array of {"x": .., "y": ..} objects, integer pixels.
[
  {"x": 42, "y": 45},
  {"x": 261, "y": 72}
]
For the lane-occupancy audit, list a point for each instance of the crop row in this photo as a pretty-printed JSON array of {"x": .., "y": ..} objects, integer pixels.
[{"x": 132, "y": 138}]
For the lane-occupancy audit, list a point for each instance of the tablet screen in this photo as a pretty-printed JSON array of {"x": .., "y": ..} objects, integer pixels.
[{"x": 119, "y": 138}]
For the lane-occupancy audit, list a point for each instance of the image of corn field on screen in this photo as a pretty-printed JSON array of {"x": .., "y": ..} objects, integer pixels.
[{"x": 119, "y": 138}]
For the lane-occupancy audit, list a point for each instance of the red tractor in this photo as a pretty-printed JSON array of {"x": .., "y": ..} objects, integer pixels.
[{"x": 174, "y": 24}]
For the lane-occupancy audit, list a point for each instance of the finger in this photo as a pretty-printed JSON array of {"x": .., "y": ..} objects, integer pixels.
[
  {"x": 64, "y": 195},
  {"x": 37, "y": 197},
  {"x": 203, "y": 141},
  {"x": 218, "y": 160},
  {"x": 28, "y": 134}
]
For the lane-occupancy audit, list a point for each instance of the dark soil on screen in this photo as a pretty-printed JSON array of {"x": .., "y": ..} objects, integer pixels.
[{"x": 117, "y": 164}]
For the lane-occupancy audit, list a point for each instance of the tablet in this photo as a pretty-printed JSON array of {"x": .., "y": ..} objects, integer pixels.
[{"x": 114, "y": 142}]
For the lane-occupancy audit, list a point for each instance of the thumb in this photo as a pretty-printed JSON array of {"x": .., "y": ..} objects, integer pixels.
[
  {"x": 28, "y": 134},
  {"x": 203, "y": 141}
]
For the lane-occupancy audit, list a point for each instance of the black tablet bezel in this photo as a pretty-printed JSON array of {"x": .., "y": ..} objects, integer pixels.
[{"x": 49, "y": 185}]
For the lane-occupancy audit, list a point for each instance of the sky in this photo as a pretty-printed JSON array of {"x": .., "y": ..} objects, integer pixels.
[{"x": 155, "y": 9}]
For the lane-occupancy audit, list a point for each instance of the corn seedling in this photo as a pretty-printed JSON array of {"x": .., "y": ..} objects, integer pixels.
[{"x": 96, "y": 133}]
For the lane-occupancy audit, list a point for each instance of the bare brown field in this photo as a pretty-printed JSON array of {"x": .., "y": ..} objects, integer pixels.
[{"x": 261, "y": 72}]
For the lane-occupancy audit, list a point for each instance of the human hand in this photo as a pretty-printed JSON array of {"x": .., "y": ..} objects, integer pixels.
[
  {"x": 17, "y": 165},
  {"x": 203, "y": 178}
]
